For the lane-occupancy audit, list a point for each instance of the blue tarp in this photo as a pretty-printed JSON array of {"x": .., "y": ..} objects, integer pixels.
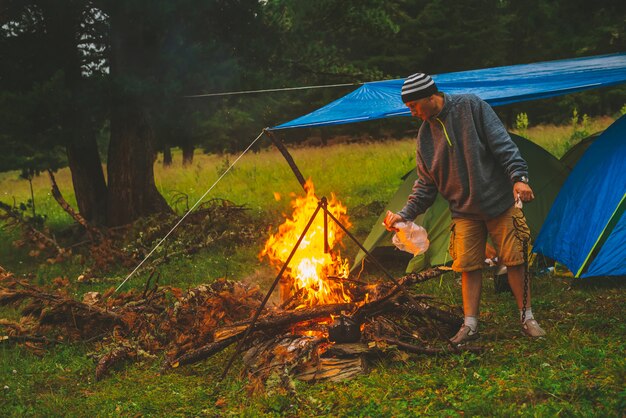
[
  {"x": 586, "y": 227},
  {"x": 498, "y": 86}
]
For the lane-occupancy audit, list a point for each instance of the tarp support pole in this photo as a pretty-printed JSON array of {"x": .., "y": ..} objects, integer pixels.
[{"x": 287, "y": 156}]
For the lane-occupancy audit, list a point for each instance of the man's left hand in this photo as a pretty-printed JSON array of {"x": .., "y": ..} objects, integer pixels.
[{"x": 524, "y": 192}]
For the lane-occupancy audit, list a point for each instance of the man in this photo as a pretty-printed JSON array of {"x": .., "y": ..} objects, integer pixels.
[{"x": 465, "y": 153}]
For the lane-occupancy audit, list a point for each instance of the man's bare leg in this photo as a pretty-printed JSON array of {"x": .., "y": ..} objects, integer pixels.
[
  {"x": 472, "y": 284},
  {"x": 516, "y": 281}
]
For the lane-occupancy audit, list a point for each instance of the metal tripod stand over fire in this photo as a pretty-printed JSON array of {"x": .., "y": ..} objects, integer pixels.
[{"x": 344, "y": 329}]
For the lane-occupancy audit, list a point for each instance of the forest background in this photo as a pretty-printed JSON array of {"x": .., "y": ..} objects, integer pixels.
[{"x": 84, "y": 83}]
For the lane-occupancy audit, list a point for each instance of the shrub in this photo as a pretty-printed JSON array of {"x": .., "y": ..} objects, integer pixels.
[{"x": 521, "y": 124}]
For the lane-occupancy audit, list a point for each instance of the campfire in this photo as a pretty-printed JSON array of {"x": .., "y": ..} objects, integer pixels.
[
  {"x": 327, "y": 325},
  {"x": 314, "y": 274},
  {"x": 344, "y": 329}
]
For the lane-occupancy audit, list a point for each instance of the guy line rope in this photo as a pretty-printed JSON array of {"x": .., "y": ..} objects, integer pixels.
[
  {"x": 189, "y": 211},
  {"x": 234, "y": 93},
  {"x": 232, "y": 165}
]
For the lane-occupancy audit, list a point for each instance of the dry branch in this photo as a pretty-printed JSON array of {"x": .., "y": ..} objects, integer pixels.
[
  {"x": 333, "y": 369},
  {"x": 435, "y": 313},
  {"x": 112, "y": 358},
  {"x": 385, "y": 295},
  {"x": 59, "y": 310},
  {"x": 276, "y": 322},
  {"x": 287, "y": 318},
  {"x": 18, "y": 339},
  {"x": 103, "y": 251},
  {"x": 56, "y": 193},
  {"x": 30, "y": 230},
  {"x": 203, "y": 352}
]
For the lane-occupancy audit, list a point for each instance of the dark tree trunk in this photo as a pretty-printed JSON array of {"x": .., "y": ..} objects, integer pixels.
[
  {"x": 188, "y": 149},
  {"x": 90, "y": 189},
  {"x": 324, "y": 136},
  {"x": 88, "y": 178},
  {"x": 167, "y": 156},
  {"x": 131, "y": 193}
]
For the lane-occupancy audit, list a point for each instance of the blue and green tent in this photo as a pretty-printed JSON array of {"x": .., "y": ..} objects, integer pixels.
[{"x": 586, "y": 227}]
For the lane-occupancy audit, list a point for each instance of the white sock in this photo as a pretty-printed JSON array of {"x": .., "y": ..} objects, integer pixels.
[
  {"x": 529, "y": 314},
  {"x": 472, "y": 322}
]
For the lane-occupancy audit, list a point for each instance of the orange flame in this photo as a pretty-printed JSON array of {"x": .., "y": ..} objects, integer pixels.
[{"x": 310, "y": 268}]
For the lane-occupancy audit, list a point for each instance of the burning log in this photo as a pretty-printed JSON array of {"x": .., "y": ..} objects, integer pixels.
[
  {"x": 273, "y": 322},
  {"x": 304, "y": 337},
  {"x": 208, "y": 319},
  {"x": 280, "y": 321},
  {"x": 277, "y": 322}
]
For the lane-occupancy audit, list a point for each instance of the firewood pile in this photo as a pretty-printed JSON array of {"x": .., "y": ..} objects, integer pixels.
[
  {"x": 214, "y": 222},
  {"x": 185, "y": 327}
]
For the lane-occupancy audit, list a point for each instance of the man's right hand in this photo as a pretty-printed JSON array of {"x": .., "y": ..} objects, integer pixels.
[{"x": 390, "y": 219}]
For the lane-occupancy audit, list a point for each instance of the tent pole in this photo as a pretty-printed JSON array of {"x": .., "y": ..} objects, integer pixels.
[{"x": 606, "y": 231}]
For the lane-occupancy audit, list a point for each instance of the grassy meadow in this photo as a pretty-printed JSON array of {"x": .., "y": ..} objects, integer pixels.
[{"x": 579, "y": 369}]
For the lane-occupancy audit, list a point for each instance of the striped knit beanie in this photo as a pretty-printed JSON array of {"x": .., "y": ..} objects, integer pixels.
[{"x": 418, "y": 86}]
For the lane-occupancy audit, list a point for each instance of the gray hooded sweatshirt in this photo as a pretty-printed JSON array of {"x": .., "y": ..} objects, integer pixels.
[{"x": 466, "y": 154}]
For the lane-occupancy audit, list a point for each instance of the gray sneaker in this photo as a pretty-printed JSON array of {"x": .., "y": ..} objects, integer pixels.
[
  {"x": 532, "y": 329},
  {"x": 464, "y": 335}
]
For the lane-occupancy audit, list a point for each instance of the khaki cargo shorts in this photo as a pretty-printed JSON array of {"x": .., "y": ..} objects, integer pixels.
[{"x": 468, "y": 239}]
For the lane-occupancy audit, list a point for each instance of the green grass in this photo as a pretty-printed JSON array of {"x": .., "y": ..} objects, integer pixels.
[
  {"x": 558, "y": 139},
  {"x": 578, "y": 370}
]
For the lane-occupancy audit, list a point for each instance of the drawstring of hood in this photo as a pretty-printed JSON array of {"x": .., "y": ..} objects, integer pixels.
[
  {"x": 445, "y": 132},
  {"x": 443, "y": 113}
]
